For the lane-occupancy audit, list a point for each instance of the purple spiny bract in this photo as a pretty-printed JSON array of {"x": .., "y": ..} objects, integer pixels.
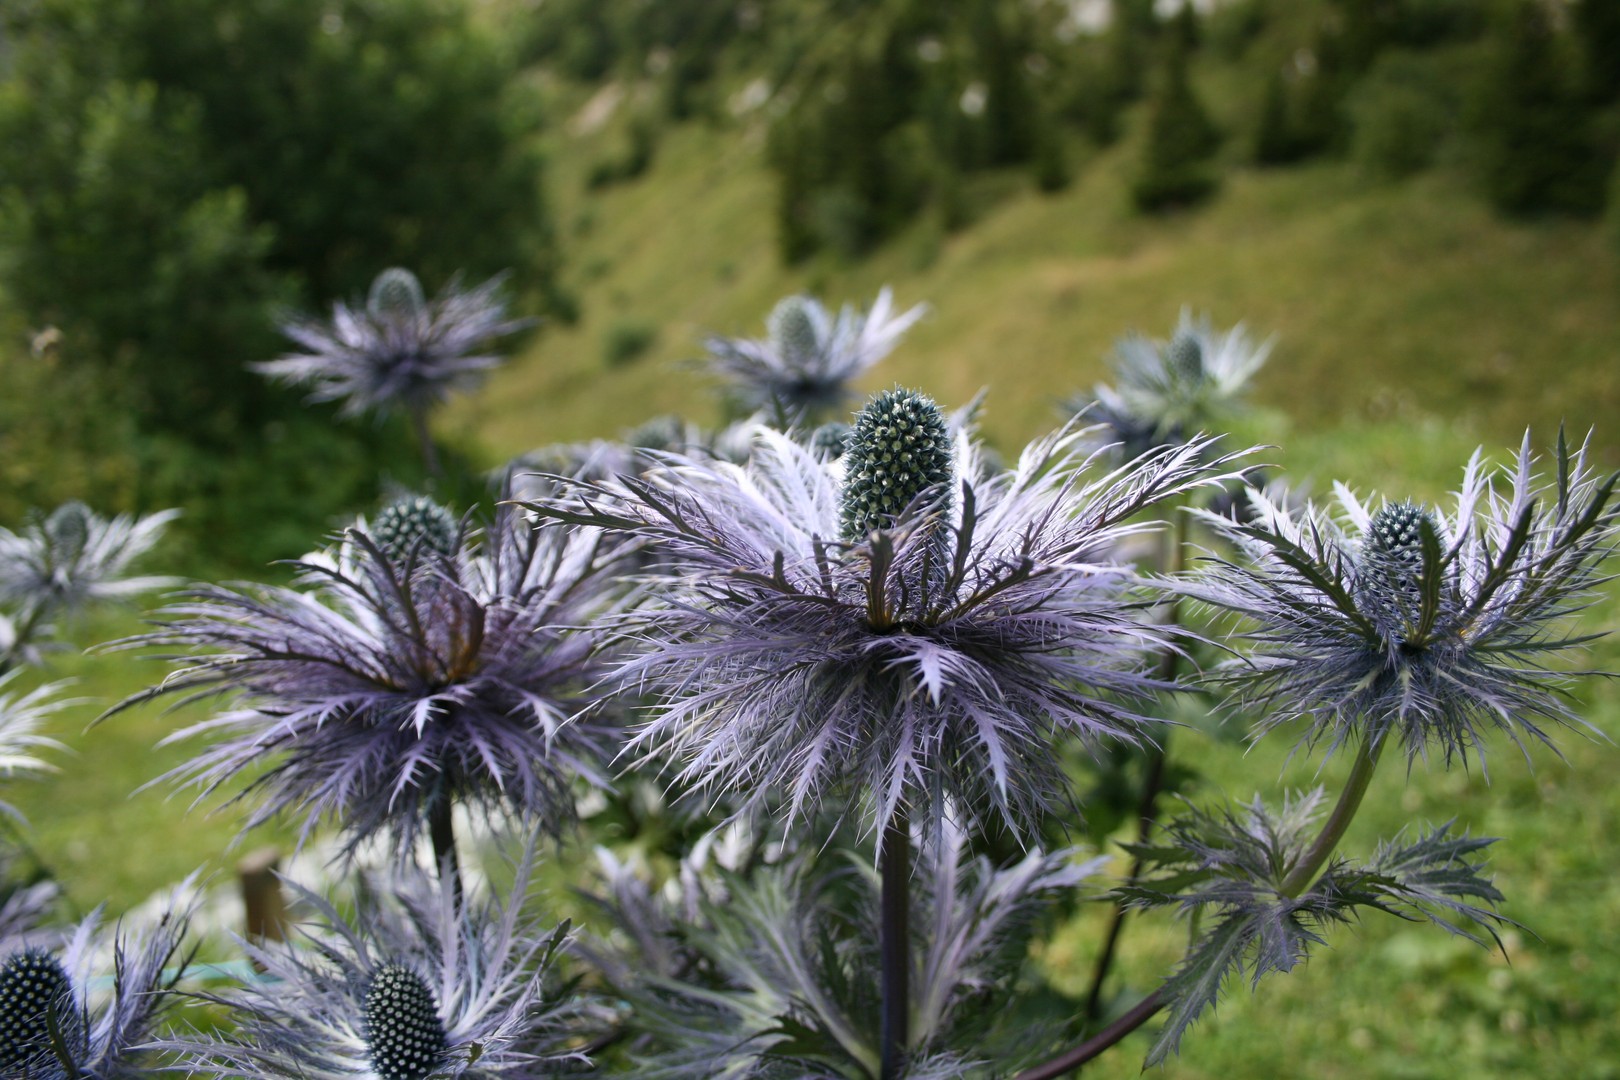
[
  {"x": 940, "y": 658},
  {"x": 380, "y": 687}
]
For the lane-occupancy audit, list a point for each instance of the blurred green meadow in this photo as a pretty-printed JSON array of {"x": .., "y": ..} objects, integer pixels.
[{"x": 1412, "y": 324}]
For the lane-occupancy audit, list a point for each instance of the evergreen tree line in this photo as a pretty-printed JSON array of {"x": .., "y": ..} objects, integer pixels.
[{"x": 886, "y": 109}]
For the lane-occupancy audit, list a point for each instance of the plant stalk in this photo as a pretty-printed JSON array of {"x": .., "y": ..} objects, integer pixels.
[
  {"x": 894, "y": 944},
  {"x": 1143, "y": 1011},
  {"x": 1355, "y": 787},
  {"x": 1147, "y": 811},
  {"x": 424, "y": 439},
  {"x": 441, "y": 831}
]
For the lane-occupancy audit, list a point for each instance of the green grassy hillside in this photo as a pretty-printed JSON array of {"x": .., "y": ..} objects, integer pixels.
[{"x": 1398, "y": 309}]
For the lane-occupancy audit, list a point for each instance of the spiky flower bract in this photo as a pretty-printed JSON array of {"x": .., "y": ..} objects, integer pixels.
[
  {"x": 399, "y": 351},
  {"x": 53, "y": 1027},
  {"x": 20, "y": 720},
  {"x": 810, "y": 359},
  {"x": 383, "y": 690},
  {"x": 1165, "y": 392},
  {"x": 934, "y": 659},
  {"x": 1409, "y": 621},
  {"x": 415, "y": 982}
]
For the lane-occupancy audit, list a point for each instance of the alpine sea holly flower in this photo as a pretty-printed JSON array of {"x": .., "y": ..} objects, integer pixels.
[
  {"x": 937, "y": 656},
  {"x": 63, "y": 561},
  {"x": 1166, "y": 391},
  {"x": 392, "y": 688},
  {"x": 54, "y": 1025},
  {"x": 1410, "y": 621},
  {"x": 400, "y": 351},
  {"x": 809, "y": 359},
  {"x": 416, "y": 983}
]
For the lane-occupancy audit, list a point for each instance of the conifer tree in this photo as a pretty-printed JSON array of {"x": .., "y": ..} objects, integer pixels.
[
  {"x": 1538, "y": 153},
  {"x": 1176, "y": 165}
]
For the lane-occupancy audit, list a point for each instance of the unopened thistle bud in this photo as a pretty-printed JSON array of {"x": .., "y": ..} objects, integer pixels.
[
  {"x": 794, "y": 328},
  {"x": 1185, "y": 357},
  {"x": 829, "y": 440},
  {"x": 35, "y": 997},
  {"x": 412, "y": 521},
  {"x": 396, "y": 292},
  {"x": 1395, "y": 534},
  {"x": 897, "y": 450},
  {"x": 68, "y": 528},
  {"x": 403, "y": 1031}
]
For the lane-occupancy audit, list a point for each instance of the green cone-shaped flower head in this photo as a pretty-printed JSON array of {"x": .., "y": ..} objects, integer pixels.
[
  {"x": 1184, "y": 356},
  {"x": 1395, "y": 534},
  {"x": 403, "y": 1030},
  {"x": 35, "y": 996},
  {"x": 396, "y": 292},
  {"x": 794, "y": 328},
  {"x": 829, "y": 439},
  {"x": 411, "y": 522},
  {"x": 898, "y": 449}
]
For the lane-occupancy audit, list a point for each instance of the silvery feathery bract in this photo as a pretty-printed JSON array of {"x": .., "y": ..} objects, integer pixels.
[
  {"x": 1407, "y": 620},
  {"x": 1167, "y": 391},
  {"x": 809, "y": 359},
  {"x": 415, "y": 983},
  {"x": 20, "y": 718},
  {"x": 759, "y": 977},
  {"x": 936, "y": 652},
  {"x": 399, "y": 351},
  {"x": 54, "y": 1026},
  {"x": 383, "y": 687}
]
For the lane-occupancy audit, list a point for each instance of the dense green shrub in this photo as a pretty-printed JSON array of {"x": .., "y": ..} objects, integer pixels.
[
  {"x": 172, "y": 175},
  {"x": 1401, "y": 114}
]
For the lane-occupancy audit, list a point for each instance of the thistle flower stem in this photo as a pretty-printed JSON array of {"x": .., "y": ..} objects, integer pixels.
[
  {"x": 442, "y": 832},
  {"x": 1147, "y": 809},
  {"x": 1140, "y": 1014},
  {"x": 424, "y": 439},
  {"x": 894, "y": 944},
  {"x": 1355, "y": 787}
]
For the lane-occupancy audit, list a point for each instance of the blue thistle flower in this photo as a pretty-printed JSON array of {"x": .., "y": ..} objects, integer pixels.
[
  {"x": 400, "y": 351},
  {"x": 1166, "y": 391},
  {"x": 391, "y": 689},
  {"x": 809, "y": 359},
  {"x": 939, "y": 658},
  {"x": 1411, "y": 622},
  {"x": 415, "y": 983},
  {"x": 51, "y": 1028}
]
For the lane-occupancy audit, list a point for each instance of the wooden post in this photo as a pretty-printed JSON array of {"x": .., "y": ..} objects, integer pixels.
[{"x": 262, "y": 899}]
